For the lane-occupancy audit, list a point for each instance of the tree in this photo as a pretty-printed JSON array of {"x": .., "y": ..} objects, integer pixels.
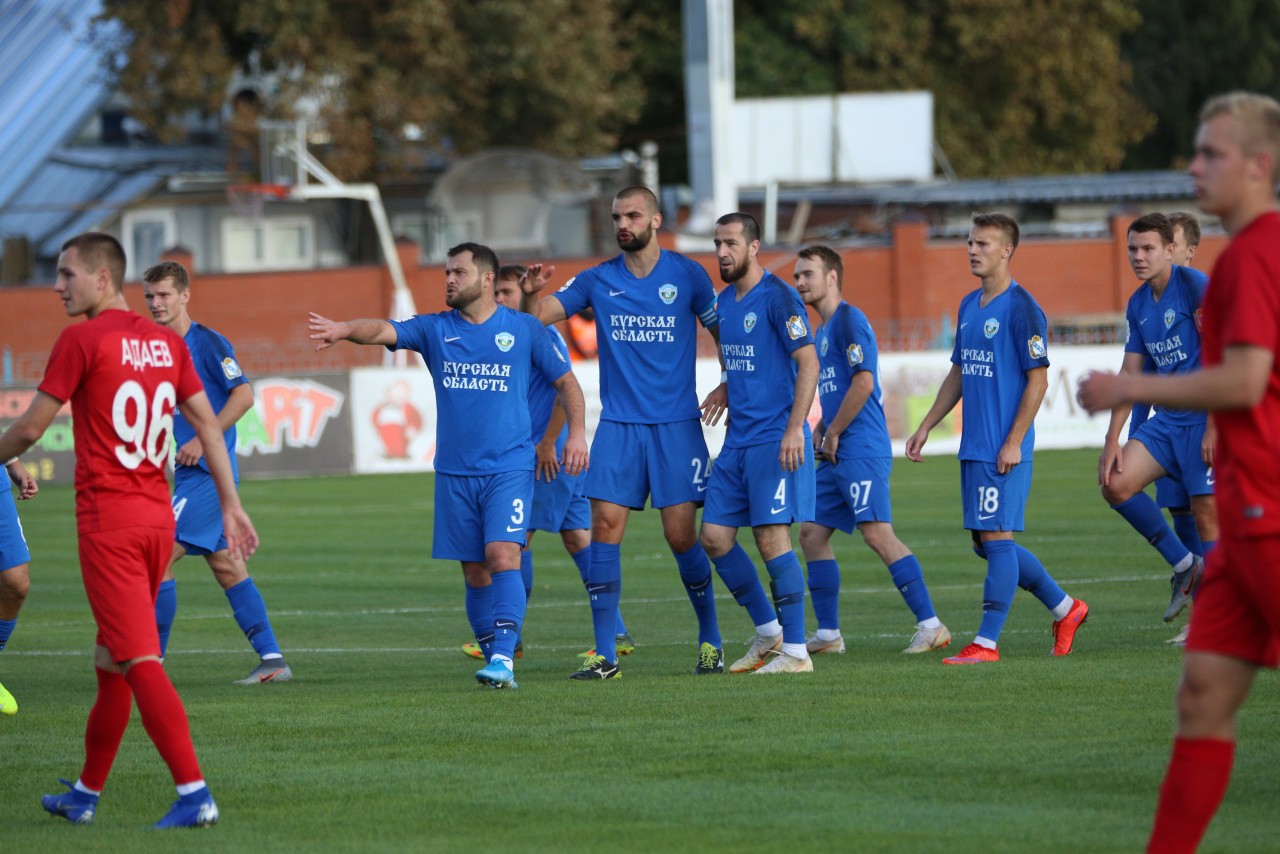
[{"x": 456, "y": 75}]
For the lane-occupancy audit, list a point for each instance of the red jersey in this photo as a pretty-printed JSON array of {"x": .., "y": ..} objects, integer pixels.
[
  {"x": 1242, "y": 307},
  {"x": 123, "y": 375}
]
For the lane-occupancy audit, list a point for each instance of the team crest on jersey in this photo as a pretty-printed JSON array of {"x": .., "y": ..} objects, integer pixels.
[
  {"x": 854, "y": 354},
  {"x": 667, "y": 293},
  {"x": 796, "y": 328},
  {"x": 749, "y": 322},
  {"x": 505, "y": 341},
  {"x": 822, "y": 347},
  {"x": 1169, "y": 318},
  {"x": 230, "y": 369},
  {"x": 1035, "y": 347},
  {"x": 991, "y": 327},
  {"x": 566, "y": 285}
]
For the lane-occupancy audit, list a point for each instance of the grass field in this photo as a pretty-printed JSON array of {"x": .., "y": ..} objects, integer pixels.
[{"x": 384, "y": 741}]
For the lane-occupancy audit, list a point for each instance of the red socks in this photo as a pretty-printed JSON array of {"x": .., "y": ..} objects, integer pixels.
[
  {"x": 107, "y": 722},
  {"x": 1194, "y": 786},
  {"x": 165, "y": 719}
]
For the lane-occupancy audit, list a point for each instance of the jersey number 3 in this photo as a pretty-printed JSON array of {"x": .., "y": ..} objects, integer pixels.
[{"x": 143, "y": 426}]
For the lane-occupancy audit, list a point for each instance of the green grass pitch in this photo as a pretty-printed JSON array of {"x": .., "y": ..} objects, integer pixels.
[{"x": 385, "y": 742}]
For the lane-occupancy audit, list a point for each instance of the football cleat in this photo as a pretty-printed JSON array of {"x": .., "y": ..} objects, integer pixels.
[
  {"x": 927, "y": 640},
  {"x": 1064, "y": 630},
  {"x": 1180, "y": 639},
  {"x": 1184, "y": 584},
  {"x": 8, "y": 705},
  {"x": 974, "y": 654},
  {"x": 194, "y": 810},
  {"x": 74, "y": 805},
  {"x": 596, "y": 667},
  {"x": 268, "y": 670},
  {"x": 710, "y": 660},
  {"x": 784, "y": 663},
  {"x": 495, "y": 674},
  {"x": 622, "y": 643},
  {"x": 761, "y": 646},
  {"x": 818, "y": 646},
  {"x": 473, "y": 650}
]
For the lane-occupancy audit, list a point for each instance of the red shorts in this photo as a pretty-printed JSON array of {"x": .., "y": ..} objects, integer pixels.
[
  {"x": 1237, "y": 609},
  {"x": 122, "y": 570}
]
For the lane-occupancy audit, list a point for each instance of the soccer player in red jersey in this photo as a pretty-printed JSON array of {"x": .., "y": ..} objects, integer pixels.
[
  {"x": 123, "y": 375},
  {"x": 1235, "y": 627}
]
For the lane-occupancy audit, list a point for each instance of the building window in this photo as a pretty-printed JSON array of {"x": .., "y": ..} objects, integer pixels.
[
  {"x": 284, "y": 243},
  {"x": 146, "y": 235}
]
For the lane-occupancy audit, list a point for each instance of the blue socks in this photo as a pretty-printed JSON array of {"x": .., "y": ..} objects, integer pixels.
[
  {"x": 604, "y": 589},
  {"x": 1144, "y": 515},
  {"x": 695, "y": 572},
  {"x": 582, "y": 560},
  {"x": 166, "y": 610},
  {"x": 526, "y": 572},
  {"x": 787, "y": 584},
  {"x": 6, "y": 630},
  {"x": 824, "y": 590},
  {"x": 508, "y": 611},
  {"x": 479, "y": 606},
  {"x": 908, "y": 577},
  {"x": 998, "y": 589},
  {"x": 1184, "y": 525},
  {"x": 739, "y": 574},
  {"x": 251, "y": 616},
  {"x": 1036, "y": 580}
]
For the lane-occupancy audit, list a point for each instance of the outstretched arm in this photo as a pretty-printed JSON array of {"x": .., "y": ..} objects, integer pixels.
[
  {"x": 365, "y": 331},
  {"x": 1239, "y": 381},
  {"x": 548, "y": 310}
]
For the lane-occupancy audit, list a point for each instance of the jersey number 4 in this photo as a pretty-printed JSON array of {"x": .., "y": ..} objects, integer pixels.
[{"x": 143, "y": 426}]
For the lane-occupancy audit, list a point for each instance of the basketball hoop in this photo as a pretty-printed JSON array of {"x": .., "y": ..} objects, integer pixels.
[{"x": 247, "y": 199}]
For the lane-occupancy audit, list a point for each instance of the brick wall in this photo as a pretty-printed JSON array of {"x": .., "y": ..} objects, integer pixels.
[{"x": 911, "y": 283}]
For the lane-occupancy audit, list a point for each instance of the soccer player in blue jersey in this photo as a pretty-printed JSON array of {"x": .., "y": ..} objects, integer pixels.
[
  {"x": 999, "y": 365},
  {"x": 852, "y": 444},
  {"x": 481, "y": 356},
  {"x": 167, "y": 290},
  {"x": 764, "y": 474},
  {"x": 1163, "y": 328},
  {"x": 559, "y": 503},
  {"x": 15, "y": 559},
  {"x": 647, "y": 302}
]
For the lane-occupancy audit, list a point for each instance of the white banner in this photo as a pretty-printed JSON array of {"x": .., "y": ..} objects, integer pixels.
[{"x": 393, "y": 414}]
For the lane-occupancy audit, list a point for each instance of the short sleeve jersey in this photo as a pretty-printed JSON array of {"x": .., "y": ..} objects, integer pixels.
[
  {"x": 1242, "y": 308},
  {"x": 123, "y": 375},
  {"x": 995, "y": 346},
  {"x": 482, "y": 373},
  {"x": 847, "y": 345},
  {"x": 215, "y": 362},
  {"x": 542, "y": 397},
  {"x": 647, "y": 332},
  {"x": 1167, "y": 331},
  {"x": 758, "y": 334}
]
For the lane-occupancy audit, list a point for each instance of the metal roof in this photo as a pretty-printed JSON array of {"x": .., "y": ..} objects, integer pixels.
[{"x": 1108, "y": 187}]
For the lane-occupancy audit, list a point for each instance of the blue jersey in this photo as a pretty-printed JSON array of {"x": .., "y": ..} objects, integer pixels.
[
  {"x": 758, "y": 334},
  {"x": 846, "y": 345},
  {"x": 542, "y": 397},
  {"x": 996, "y": 345},
  {"x": 1166, "y": 332},
  {"x": 647, "y": 336},
  {"x": 215, "y": 362},
  {"x": 482, "y": 373}
]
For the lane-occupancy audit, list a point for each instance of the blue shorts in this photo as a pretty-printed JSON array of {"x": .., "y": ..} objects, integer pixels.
[
  {"x": 667, "y": 463},
  {"x": 474, "y": 510},
  {"x": 560, "y": 504},
  {"x": 994, "y": 501},
  {"x": 1176, "y": 447},
  {"x": 852, "y": 492},
  {"x": 13, "y": 545},
  {"x": 750, "y": 488},
  {"x": 1171, "y": 494},
  {"x": 197, "y": 512}
]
